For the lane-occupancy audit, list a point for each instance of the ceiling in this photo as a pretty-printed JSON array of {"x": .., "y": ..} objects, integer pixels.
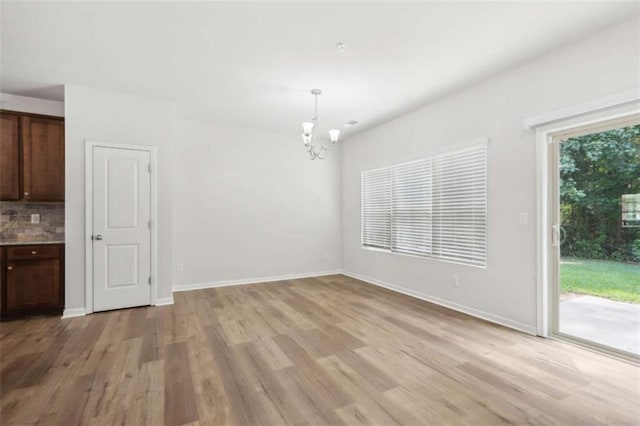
[{"x": 253, "y": 64}]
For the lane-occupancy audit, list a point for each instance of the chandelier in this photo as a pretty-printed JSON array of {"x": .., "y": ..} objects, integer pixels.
[{"x": 310, "y": 131}]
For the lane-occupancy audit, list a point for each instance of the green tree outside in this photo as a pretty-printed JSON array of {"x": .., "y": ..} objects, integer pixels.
[{"x": 595, "y": 170}]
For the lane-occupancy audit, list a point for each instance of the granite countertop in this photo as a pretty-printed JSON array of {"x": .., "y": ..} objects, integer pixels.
[{"x": 28, "y": 243}]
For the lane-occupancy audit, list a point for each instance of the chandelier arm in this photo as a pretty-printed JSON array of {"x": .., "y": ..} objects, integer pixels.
[
  {"x": 319, "y": 142},
  {"x": 322, "y": 157}
]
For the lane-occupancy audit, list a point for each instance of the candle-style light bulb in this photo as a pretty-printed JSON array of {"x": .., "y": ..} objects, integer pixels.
[
  {"x": 307, "y": 128},
  {"x": 334, "y": 134}
]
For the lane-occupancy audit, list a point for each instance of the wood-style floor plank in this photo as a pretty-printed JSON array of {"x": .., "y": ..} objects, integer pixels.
[
  {"x": 319, "y": 351},
  {"x": 179, "y": 396}
]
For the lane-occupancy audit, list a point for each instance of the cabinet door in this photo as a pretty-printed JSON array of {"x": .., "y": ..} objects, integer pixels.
[
  {"x": 43, "y": 158},
  {"x": 9, "y": 158},
  {"x": 2, "y": 268},
  {"x": 33, "y": 284}
]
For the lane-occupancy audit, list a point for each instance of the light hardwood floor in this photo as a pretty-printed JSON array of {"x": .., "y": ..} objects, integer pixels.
[{"x": 329, "y": 350}]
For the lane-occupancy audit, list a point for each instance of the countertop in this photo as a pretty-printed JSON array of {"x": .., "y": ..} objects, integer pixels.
[{"x": 29, "y": 243}]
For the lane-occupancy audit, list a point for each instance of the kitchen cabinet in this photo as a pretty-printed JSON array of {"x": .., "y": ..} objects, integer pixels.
[
  {"x": 32, "y": 160},
  {"x": 2, "y": 267},
  {"x": 32, "y": 280},
  {"x": 10, "y": 157},
  {"x": 42, "y": 142}
]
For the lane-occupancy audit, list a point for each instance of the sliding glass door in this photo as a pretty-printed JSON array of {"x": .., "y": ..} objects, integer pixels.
[{"x": 596, "y": 235}]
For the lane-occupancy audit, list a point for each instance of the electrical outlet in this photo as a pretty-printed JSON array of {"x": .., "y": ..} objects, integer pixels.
[
  {"x": 180, "y": 267},
  {"x": 35, "y": 218},
  {"x": 456, "y": 281}
]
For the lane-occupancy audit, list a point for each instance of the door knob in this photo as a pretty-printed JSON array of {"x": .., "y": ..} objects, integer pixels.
[
  {"x": 9, "y": 268},
  {"x": 98, "y": 237}
]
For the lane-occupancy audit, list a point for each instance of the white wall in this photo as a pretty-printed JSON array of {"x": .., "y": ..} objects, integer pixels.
[
  {"x": 250, "y": 204},
  {"x": 103, "y": 116},
  {"x": 505, "y": 291},
  {"x": 32, "y": 105}
]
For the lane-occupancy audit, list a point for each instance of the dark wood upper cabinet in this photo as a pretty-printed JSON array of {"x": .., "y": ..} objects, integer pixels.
[
  {"x": 42, "y": 158},
  {"x": 9, "y": 157}
]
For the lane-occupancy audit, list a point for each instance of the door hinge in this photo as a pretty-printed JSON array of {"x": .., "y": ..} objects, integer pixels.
[
  {"x": 149, "y": 280},
  {"x": 149, "y": 224},
  {"x": 149, "y": 168}
]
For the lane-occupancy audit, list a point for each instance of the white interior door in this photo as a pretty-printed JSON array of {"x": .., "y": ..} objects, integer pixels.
[{"x": 121, "y": 236}]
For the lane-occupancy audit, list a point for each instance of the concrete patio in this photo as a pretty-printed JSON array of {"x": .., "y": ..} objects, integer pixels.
[{"x": 608, "y": 322}]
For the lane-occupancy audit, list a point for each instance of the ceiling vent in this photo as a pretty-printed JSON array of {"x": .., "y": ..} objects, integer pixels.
[{"x": 350, "y": 123}]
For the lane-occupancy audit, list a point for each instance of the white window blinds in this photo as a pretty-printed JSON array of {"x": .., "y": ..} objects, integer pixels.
[
  {"x": 376, "y": 208},
  {"x": 435, "y": 207},
  {"x": 460, "y": 205},
  {"x": 411, "y": 208}
]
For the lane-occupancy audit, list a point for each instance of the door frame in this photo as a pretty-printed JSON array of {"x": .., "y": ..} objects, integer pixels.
[
  {"x": 547, "y": 267},
  {"x": 89, "y": 146}
]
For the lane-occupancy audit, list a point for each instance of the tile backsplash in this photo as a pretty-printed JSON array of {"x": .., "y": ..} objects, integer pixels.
[{"x": 16, "y": 226}]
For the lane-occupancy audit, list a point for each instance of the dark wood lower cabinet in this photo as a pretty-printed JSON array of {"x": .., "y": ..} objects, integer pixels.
[{"x": 32, "y": 280}]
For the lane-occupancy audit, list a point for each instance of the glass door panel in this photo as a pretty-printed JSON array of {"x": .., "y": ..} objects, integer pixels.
[{"x": 596, "y": 236}]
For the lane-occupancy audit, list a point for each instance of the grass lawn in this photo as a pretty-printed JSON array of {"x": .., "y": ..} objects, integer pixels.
[{"x": 613, "y": 280}]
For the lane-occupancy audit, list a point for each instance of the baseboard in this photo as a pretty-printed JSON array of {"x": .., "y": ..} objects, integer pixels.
[
  {"x": 80, "y": 312},
  {"x": 163, "y": 301},
  {"x": 74, "y": 312},
  {"x": 227, "y": 283},
  {"x": 525, "y": 328},
  {"x": 422, "y": 296}
]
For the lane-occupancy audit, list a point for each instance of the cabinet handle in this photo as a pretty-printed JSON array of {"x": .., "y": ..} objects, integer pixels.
[
  {"x": 26, "y": 194},
  {"x": 9, "y": 268},
  {"x": 34, "y": 252}
]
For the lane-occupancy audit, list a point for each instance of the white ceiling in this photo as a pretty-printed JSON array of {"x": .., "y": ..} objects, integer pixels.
[{"x": 253, "y": 64}]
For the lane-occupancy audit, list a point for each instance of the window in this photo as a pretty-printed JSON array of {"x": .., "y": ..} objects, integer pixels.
[
  {"x": 434, "y": 207},
  {"x": 376, "y": 208},
  {"x": 630, "y": 210}
]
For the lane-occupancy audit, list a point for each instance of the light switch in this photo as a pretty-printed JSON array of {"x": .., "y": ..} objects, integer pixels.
[
  {"x": 35, "y": 218},
  {"x": 524, "y": 218}
]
